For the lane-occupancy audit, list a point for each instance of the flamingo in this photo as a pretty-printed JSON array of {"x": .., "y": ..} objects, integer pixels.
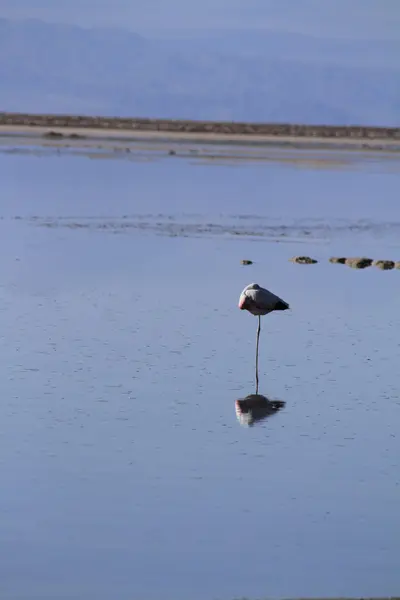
[{"x": 259, "y": 301}]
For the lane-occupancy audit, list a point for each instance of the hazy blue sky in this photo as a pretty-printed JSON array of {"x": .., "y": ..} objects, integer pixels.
[{"x": 354, "y": 18}]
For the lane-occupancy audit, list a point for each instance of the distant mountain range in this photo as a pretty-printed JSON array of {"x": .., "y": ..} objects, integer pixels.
[{"x": 231, "y": 76}]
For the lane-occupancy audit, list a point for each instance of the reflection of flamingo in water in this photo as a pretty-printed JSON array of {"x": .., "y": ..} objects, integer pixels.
[
  {"x": 255, "y": 408},
  {"x": 259, "y": 301}
]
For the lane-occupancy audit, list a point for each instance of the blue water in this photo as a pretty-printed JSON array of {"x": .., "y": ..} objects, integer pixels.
[{"x": 125, "y": 472}]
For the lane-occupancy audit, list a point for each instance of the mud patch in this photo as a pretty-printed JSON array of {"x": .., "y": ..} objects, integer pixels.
[
  {"x": 303, "y": 260},
  {"x": 385, "y": 265},
  {"x": 359, "y": 263}
]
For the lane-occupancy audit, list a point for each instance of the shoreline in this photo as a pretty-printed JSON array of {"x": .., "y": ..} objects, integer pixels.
[{"x": 73, "y": 129}]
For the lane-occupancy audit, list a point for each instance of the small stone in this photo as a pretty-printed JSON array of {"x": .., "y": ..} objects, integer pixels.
[
  {"x": 337, "y": 260},
  {"x": 385, "y": 265},
  {"x": 246, "y": 262},
  {"x": 303, "y": 260},
  {"x": 359, "y": 263},
  {"x": 53, "y": 134}
]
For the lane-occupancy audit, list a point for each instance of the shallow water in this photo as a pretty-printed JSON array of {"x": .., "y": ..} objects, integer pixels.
[{"x": 125, "y": 472}]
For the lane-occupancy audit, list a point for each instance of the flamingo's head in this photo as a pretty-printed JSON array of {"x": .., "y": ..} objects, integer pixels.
[{"x": 245, "y": 301}]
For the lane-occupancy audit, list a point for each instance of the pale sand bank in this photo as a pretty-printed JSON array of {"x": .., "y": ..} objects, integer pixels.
[
  {"x": 75, "y": 136},
  {"x": 73, "y": 129}
]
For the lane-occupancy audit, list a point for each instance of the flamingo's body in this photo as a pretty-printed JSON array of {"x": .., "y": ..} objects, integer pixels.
[{"x": 259, "y": 301}]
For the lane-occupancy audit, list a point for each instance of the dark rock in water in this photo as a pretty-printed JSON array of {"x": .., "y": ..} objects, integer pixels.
[
  {"x": 76, "y": 136},
  {"x": 303, "y": 260},
  {"x": 337, "y": 260},
  {"x": 359, "y": 263},
  {"x": 172, "y": 153},
  {"x": 256, "y": 407},
  {"x": 246, "y": 262},
  {"x": 53, "y": 134},
  {"x": 385, "y": 265}
]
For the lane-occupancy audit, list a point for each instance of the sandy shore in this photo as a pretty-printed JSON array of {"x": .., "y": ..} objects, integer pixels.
[
  {"x": 74, "y": 129},
  {"x": 74, "y": 136}
]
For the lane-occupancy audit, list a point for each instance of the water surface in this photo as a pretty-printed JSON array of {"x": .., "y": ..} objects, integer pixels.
[{"x": 125, "y": 472}]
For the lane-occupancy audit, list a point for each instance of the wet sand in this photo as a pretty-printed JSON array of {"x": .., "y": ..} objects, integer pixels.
[{"x": 213, "y": 150}]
